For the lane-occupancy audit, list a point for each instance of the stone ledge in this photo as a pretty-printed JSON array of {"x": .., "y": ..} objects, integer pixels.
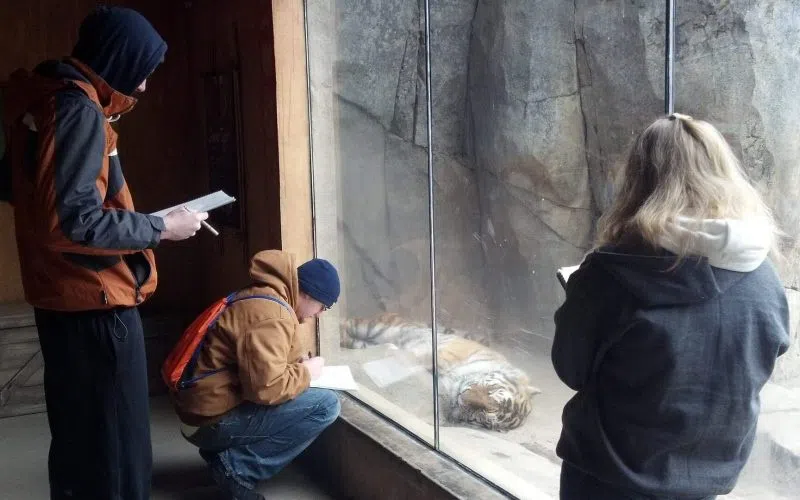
[
  {"x": 776, "y": 398},
  {"x": 363, "y": 455},
  {"x": 778, "y": 426}
]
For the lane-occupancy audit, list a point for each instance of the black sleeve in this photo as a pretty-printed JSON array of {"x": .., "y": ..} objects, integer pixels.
[
  {"x": 79, "y": 138},
  {"x": 581, "y": 322}
]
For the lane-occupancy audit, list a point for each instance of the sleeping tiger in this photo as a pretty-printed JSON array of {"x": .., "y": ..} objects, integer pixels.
[{"x": 477, "y": 385}]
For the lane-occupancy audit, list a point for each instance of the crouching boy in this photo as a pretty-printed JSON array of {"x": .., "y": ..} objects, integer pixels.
[{"x": 254, "y": 411}]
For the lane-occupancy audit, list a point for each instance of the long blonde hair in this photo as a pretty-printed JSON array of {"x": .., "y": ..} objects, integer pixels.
[{"x": 679, "y": 166}]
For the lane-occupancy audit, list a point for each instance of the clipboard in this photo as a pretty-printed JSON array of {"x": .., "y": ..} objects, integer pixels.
[
  {"x": 563, "y": 274},
  {"x": 203, "y": 204}
]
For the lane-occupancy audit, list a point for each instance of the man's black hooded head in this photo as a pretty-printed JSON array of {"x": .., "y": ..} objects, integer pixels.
[{"x": 121, "y": 46}]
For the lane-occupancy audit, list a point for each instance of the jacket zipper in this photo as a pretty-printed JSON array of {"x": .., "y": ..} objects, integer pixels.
[
  {"x": 137, "y": 287},
  {"x": 103, "y": 293}
]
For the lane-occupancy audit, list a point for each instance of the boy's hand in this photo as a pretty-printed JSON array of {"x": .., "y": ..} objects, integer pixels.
[{"x": 314, "y": 366}]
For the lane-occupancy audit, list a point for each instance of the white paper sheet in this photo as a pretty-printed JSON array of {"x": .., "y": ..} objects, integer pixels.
[
  {"x": 339, "y": 378},
  {"x": 564, "y": 273},
  {"x": 202, "y": 204},
  {"x": 387, "y": 371}
]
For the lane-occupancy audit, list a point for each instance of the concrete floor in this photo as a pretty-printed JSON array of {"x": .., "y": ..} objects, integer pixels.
[{"x": 178, "y": 471}]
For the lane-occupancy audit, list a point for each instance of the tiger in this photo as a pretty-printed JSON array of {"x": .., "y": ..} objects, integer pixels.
[{"x": 477, "y": 385}]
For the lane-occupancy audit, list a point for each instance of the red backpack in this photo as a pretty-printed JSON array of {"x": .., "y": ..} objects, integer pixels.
[{"x": 178, "y": 369}]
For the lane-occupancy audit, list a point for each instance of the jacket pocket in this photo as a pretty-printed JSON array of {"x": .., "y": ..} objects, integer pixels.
[
  {"x": 140, "y": 268},
  {"x": 95, "y": 263}
]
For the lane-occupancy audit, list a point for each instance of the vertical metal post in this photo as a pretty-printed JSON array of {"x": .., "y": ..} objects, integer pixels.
[
  {"x": 313, "y": 197},
  {"x": 310, "y": 132},
  {"x": 434, "y": 329},
  {"x": 669, "y": 56}
]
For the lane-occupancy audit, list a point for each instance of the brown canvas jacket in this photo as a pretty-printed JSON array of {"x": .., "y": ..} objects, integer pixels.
[{"x": 257, "y": 341}]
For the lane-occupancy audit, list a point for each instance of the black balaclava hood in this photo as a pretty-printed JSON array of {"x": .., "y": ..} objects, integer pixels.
[{"x": 121, "y": 46}]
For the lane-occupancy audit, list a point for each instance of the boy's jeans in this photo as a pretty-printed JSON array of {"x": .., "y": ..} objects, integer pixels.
[{"x": 254, "y": 442}]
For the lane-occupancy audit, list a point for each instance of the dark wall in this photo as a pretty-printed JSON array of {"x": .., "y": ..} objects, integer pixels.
[
  {"x": 237, "y": 35},
  {"x": 156, "y": 150}
]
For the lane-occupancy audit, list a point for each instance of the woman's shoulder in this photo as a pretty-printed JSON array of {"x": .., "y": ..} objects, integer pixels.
[{"x": 765, "y": 281}]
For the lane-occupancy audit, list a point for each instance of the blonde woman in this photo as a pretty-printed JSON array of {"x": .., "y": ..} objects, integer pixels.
[{"x": 671, "y": 326}]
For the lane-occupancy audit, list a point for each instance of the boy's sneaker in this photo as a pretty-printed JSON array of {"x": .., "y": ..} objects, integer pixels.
[{"x": 231, "y": 486}]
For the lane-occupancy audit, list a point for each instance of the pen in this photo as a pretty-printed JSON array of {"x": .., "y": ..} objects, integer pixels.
[{"x": 208, "y": 226}]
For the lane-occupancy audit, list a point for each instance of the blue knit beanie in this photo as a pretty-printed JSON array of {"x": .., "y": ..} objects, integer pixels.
[{"x": 319, "y": 279}]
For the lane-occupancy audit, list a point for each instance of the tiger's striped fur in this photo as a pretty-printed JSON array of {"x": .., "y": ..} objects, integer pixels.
[{"x": 477, "y": 386}]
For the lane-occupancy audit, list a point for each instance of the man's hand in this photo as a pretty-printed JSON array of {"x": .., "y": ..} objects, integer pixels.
[
  {"x": 314, "y": 366},
  {"x": 181, "y": 224}
]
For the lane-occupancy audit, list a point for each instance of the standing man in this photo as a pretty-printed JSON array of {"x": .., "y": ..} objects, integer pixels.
[{"x": 85, "y": 255}]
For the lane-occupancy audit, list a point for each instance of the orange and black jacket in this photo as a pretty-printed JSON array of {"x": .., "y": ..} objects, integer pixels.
[{"x": 81, "y": 244}]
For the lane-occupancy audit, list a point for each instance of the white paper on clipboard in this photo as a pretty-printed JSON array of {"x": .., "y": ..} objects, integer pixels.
[
  {"x": 564, "y": 273},
  {"x": 338, "y": 378},
  {"x": 203, "y": 204},
  {"x": 387, "y": 371}
]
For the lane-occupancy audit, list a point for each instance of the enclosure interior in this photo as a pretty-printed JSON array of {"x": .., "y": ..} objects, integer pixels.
[{"x": 503, "y": 124}]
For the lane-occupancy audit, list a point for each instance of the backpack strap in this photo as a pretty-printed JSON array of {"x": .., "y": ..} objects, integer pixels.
[
  {"x": 192, "y": 365},
  {"x": 267, "y": 297}
]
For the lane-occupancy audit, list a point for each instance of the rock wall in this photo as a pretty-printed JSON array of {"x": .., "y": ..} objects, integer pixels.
[
  {"x": 736, "y": 66},
  {"x": 534, "y": 104}
]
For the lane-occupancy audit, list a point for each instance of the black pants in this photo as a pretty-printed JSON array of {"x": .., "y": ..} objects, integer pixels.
[
  {"x": 95, "y": 382},
  {"x": 577, "y": 485}
]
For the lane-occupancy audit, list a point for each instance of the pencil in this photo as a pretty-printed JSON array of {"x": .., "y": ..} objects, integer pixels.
[{"x": 208, "y": 226}]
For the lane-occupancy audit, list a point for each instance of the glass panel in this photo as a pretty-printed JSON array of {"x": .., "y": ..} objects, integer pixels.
[
  {"x": 737, "y": 67},
  {"x": 370, "y": 166},
  {"x": 533, "y": 102}
]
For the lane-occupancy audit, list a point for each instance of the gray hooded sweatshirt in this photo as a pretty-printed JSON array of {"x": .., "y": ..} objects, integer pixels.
[{"x": 668, "y": 362}]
